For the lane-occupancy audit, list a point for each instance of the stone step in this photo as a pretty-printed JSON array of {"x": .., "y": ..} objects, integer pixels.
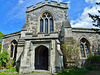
[{"x": 42, "y": 71}]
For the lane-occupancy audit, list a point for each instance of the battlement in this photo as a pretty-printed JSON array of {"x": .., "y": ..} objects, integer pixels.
[{"x": 52, "y": 3}]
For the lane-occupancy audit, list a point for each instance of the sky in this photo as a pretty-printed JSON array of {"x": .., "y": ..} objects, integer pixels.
[{"x": 13, "y": 13}]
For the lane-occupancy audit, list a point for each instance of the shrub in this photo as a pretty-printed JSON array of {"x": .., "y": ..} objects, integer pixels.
[
  {"x": 13, "y": 69},
  {"x": 1, "y": 34},
  {"x": 10, "y": 64},
  {"x": 93, "y": 60},
  {"x": 4, "y": 57},
  {"x": 32, "y": 72},
  {"x": 0, "y": 66},
  {"x": 93, "y": 68}
]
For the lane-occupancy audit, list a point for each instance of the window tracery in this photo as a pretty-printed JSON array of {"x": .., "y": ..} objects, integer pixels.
[
  {"x": 84, "y": 48},
  {"x": 46, "y": 23}
]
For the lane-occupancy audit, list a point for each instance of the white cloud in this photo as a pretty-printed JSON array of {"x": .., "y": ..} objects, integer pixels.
[
  {"x": 84, "y": 20},
  {"x": 59, "y": 0},
  {"x": 92, "y": 1},
  {"x": 21, "y": 1}
]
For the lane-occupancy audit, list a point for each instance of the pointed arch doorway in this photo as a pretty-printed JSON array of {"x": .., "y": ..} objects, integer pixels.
[{"x": 41, "y": 58}]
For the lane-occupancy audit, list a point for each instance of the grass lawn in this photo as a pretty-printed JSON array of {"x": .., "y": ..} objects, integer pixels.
[
  {"x": 88, "y": 73},
  {"x": 9, "y": 72},
  {"x": 81, "y": 71}
]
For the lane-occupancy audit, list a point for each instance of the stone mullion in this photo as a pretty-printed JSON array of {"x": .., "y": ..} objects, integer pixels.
[
  {"x": 44, "y": 25},
  {"x": 13, "y": 50},
  {"x": 84, "y": 50},
  {"x": 49, "y": 25}
]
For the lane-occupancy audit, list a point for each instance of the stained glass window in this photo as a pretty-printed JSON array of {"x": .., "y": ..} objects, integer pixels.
[
  {"x": 46, "y": 26},
  {"x": 82, "y": 51},
  {"x": 51, "y": 25},
  {"x": 84, "y": 47},
  {"x": 44, "y": 16},
  {"x": 46, "y": 23},
  {"x": 87, "y": 50},
  {"x": 41, "y": 25}
]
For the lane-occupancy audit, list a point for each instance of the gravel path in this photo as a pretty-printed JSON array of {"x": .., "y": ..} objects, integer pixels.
[{"x": 37, "y": 74}]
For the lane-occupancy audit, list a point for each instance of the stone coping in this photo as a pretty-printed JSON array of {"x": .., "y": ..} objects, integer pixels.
[
  {"x": 46, "y": 3},
  {"x": 87, "y": 30},
  {"x": 40, "y": 38},
  {"x": 11, "y": 34}
]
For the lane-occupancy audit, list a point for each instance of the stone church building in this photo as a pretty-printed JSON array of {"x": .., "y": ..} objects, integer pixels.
[{"x": 37, "y": 45}]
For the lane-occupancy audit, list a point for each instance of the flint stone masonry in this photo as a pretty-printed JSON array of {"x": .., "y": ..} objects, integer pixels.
[{"x": 32, "y": 48}]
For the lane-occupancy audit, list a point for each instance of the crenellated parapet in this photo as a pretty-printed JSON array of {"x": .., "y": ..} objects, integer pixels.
[{"x": 46, "y": 3}]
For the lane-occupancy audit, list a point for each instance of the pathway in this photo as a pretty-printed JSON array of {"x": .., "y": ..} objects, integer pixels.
[{"x": 37, "y": 74}]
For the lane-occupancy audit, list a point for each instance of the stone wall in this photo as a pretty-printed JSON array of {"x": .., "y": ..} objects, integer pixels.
[
  {"x": 90, "y": 35},
  {"x": 58, "y": 11},
  {"x": 7, "y": 39}
]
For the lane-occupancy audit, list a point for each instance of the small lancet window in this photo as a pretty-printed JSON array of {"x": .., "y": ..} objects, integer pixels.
[
  {"x": 87, "y": 50},
  {"x": 11, "y": 55},
  {"x": 41, "y": 25},
  {"x": 82, "y": 51},
  {"x": 13, "y": 49},
  {"x": 51, "y": 25},
  {"x": 46, "y": 26}
]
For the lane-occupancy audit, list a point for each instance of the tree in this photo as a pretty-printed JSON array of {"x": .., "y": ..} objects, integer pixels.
[
  {"x": 1, "y": 34},
  {"x": 96, "y": 18}
]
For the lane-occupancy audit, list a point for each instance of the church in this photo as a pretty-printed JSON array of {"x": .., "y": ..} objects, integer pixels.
[{"x": 38, "y": 45}]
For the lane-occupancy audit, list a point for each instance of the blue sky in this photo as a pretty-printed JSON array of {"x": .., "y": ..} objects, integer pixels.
[{"x": 13, "y": 13}]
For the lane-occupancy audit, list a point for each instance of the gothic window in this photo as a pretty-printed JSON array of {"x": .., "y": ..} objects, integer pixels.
[
  {"x": 84, "y": 48},
  {"x": 13, "y": 49},
  {"x": 46, "y": 23}
]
